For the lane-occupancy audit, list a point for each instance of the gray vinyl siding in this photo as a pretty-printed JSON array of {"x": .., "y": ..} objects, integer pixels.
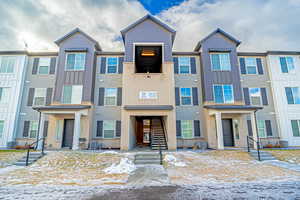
[
  {"x": 262, "y": 81},
  {"x": 32, "y": 81}
]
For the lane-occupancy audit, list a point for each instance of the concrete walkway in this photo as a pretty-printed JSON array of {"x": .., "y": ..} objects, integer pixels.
[{"x": 285, "y": 165}]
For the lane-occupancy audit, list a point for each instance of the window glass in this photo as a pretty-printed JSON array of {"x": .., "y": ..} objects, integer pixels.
[
  {"x": 59, "y": 129},
  {"x": 261, "y": 128},
  {"x": 44, "y": 65},
  {"x": 72, "y": 94},
  {"x": 112, "y": 64},
  {"x": 187, "y": 128},
  {"x": 223, "y": 94},
  {"x": 4, "y": 95},
  {"x": 110, "y": 98},
  {"x": 1, "y": 128},
  {"x": 186, "y": 96},
  {"x": 296, "y": 95},
  {"x": 75, "y": 61},
  {"x": 220, "y": 61},
  {"x": 218, "y": 94},
  {"x": 39, "y": 96},
  {"x": 184, "y": 65},
  {"x": 290, "y": 64},
  {"x": 109, "y": 129},
  {"x": 251, "y": 65},
  {"x": 7, "y": 64},
  {"x": 228, "y": 97},
  {"x": 295, "y": 128},
  {"x": 255, "y": 96},
  {"x": 33, "y": 129},
  {"x": 287, "y": 65}
]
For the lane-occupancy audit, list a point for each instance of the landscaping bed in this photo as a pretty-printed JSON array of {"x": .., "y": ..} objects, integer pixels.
[{"x": 287, "y": 155}]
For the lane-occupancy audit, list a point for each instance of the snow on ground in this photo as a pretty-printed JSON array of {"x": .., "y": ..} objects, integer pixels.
[
  {"x": 125, "y": 166},
  {"x": 8, "y": 157},
  {"x": 222, "y": 166},
  {"x": 171, "y": 159},
  {"x": 290, "y": 155}
]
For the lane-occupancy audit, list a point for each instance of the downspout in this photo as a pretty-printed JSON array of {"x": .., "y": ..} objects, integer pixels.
[
  {"x": 38, "y": 132},
  {"x": 257, "y": 136}
]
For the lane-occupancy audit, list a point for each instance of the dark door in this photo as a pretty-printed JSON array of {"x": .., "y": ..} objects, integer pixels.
[
  {"x": 227, "y": 132},
  {"x": 68, "y": 133}
]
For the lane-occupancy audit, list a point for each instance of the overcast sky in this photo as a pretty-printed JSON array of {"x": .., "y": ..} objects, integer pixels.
[{"x": 260, "y": 24}]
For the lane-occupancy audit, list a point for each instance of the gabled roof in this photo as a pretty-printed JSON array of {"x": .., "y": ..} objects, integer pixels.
[
  {"x": 218, "y": 30},
  {"x": 153, "y": 19},
  {"x": 77, "y": 30}
]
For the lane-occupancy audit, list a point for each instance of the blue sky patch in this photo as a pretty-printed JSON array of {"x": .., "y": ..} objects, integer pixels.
[{"x": 156, "y": 6}]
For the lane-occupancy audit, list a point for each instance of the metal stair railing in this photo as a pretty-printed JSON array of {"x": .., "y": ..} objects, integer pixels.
[
  {"x": 253, "y": 141},
  {"x": 29, "y": 147}
]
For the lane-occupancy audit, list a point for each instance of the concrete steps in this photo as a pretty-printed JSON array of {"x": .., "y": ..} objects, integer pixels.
[
  {"x": 263, "y": 155},
  {"x": 147, "y": 158},
  {"x": 158, "y": 139},
  {"x": 33, "y": 157}
]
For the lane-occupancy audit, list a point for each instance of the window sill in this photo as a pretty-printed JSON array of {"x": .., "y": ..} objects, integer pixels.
[{"x": 101, "y": 138}]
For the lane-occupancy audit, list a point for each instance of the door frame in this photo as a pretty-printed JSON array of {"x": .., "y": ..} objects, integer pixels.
[
  {"x": 232, "y": 131},
  {"x": 64, "y": 131}
]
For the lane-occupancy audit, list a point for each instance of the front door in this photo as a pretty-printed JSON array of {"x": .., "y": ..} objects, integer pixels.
[
  {"x": 143, "y": 131},
  {"x": 227, "y": 132},
  {"x": 68, "y": 133}
]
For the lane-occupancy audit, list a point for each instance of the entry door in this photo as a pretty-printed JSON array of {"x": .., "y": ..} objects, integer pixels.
[
  {"x": 68, "y": 133},
  {"x": 227, "y": 132}
]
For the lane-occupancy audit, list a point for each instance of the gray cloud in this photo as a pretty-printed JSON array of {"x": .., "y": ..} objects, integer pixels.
[{"x": 260, "y": 24}]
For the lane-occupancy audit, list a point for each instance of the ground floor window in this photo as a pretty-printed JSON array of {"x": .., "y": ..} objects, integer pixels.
[
  {"x": 261, "y": 127},
  {"x": 109, "y": 129},
  {"x": 187, "y": 129},
  {"x": 1, "y": 128},
  {"x": 33, "y": 129},
  {"x": 295, "y": 127}
]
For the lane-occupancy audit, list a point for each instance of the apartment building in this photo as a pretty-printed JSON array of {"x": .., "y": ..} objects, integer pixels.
[
  {"x": 12, "y": 67},
  {"x": 149, "y": 96}
]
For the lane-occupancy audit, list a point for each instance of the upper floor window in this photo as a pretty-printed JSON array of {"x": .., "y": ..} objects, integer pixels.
[
  {"x": 4, "y": 95},
  {"x": 255, "y": 96},
  {"x": 1, "y": 128},
  {"x": 112, "y": 65},
  {"x": 295, "y": 127},
  {"x": 7, "y": 64},
  {"x": 184, "y": 65},
  {"x": 39, "y": 96},
  {"x": 220, "y": 61},
  {"x": 110, "y": 96},
  {"x": 75, "y": 62},
  {"x": 292, "y": 95},
  {"x": 251, "y": 65},
  {"x": 223, "y": 94},
  {"x": 72, "y": 94},
  {"x": 287, "y": 65},
  {"x": 44, "y": 65},
  {"x": 186, "y": 96}
]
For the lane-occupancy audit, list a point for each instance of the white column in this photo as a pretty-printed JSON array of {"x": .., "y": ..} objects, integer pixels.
[
  {"x": 254, "y": 130},
  {"x": 77, "y": 130},
  {"x": 41, "y": 132},
  {"x": 220, "y": 141}
]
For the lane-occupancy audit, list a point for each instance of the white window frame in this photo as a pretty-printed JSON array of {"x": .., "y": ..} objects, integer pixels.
[
  {"x": 246, "y": 66},
  {"x": 193, "y": 132},
  {"x": 38, "y": 70},
  {"x": 30, "y": 128},
  {"x": 106, "y": 68},
  {"x": 116, "y": 97},
  {"x": 265, "y": 128},
  {"x": 219, "y": 70},
  {"x": 35, "y": 96},
  {"x": 72, "y": 97},
  {"x": 294, "y": 103},
  {"x": 179, "y": 66},
  {"x": 15, "y": 60},
  {"x": 3, "y": 128},
  {"x": 114, "y": 125},
  {"x": 260, "y": 96},
  {"x": 66, "y": 61},
  {"x": 288, "y": 68},
  {"x": 6, "y": 100},
  {"x": 186, "y": 96},
  {"x": 298, "y": 122},
  {"x": 223, "y": 93}
]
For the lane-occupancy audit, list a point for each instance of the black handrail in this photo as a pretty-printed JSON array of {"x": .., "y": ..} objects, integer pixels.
[
  {"x": 164, "y": 129},
  {"x": 252, "y": 140},
  {"x": 30, "y": 145}
]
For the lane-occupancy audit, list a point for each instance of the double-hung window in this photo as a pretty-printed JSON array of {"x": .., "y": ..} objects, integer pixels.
[
  {"x": 287, "y": 65},
  {"x": 220, "y": 61},
  {"x": 109, "y": 128},
  {"x": 72, "y": 94},
  {"x": 186, "y": 96},
  {"x": 7, "y": 64},
  {"x": 110, "y": 96},
  {"x": 33, "y": 129},
  {"x": 1, "y": 128},
  {"x": 4, "y": 95},
  {"x": 112, "y": 65},
  {"x": 255, "y": 96},
  {"x": 261, "y": 128},
  {"x": 39, "y": 96},
  {"x": 295, "y": 127},
  {"x": 251, "y": 66},
  {"x": 184, "y": 65},
  {"x": 292, "y": 95},
  {"x": 223, "y": 94},
  {"x": 75, "y": 62},
  {"x": 187, "y": 129},
  {"x": 44, "y": 65}
]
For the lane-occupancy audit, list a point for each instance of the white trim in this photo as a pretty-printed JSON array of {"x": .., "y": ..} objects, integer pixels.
[
  {"x": 190, "y": 69},
  {"x": 191, "y": 96},
  {"x": 106, "y": 64},
  {"x": 223, "y": 93},
  {"x": 221, "y": 70},
  {"x": 260, "y": 96},
  {"x": 256, "y": 68},
  {"x": 66, "y": 59},
  {"x": 115, "y": 122},
  {"x": 116, "y": 101},
  {"x": 193, "y": 129}
]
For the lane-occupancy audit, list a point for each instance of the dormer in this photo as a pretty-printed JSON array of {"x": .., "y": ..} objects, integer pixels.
[{"x": 148, "y": 43}]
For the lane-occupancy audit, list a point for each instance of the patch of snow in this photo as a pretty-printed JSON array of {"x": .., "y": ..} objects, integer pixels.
[
  {"x": 171, "y": 159},
  {"x": 9, "y": 169},
  {"x": 109, "y": 152},
  {"x": 125, "y": 166}
]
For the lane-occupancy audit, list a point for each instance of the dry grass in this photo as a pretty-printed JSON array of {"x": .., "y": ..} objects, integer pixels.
[
  {"x": 8, "y": 157},
  {"x": 67, "y": 168},
  {"x": 224, "y": 166},
  {"x": 292, "y": 156}
]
